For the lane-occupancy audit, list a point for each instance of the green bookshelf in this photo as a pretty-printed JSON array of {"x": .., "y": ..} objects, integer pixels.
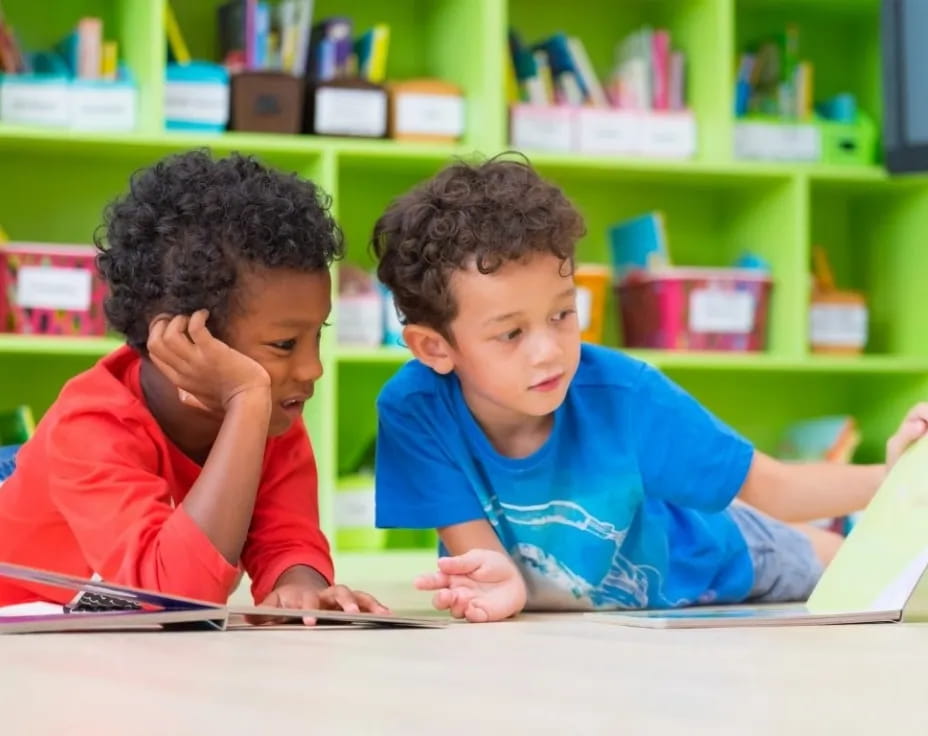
[{"x": 54, "y": 184}]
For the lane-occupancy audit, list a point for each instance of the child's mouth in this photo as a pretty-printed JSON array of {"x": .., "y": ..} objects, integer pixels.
[
  {"x": 294, "y": 406},
  {"x": 549, "y": 384}
]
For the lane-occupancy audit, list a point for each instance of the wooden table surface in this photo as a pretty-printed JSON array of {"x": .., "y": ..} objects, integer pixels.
[{"x": 552, "y": 674}]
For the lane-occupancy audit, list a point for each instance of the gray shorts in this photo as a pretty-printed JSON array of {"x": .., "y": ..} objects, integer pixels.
[{"x": 785, "y": 565}]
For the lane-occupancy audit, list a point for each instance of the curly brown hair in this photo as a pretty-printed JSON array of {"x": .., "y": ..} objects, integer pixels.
[{"x": 486, "y": 215}]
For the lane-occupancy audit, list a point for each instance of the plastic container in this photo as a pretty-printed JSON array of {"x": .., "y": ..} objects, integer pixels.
[
  {"x": 695, "y": 309},
  {"x": 48, "y": 289},
  {"x": 592, "y": 286}
]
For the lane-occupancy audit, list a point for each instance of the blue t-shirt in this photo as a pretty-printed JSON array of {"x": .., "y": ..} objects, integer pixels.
[{"x": 623, "y": 506}]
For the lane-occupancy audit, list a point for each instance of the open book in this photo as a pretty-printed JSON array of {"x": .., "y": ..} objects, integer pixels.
[
  {"x": 878, "y": 575},
  {"x": 99, "y": 606}
]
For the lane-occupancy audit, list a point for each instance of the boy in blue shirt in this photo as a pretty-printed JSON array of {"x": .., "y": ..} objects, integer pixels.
[{"x": 559, "y": 475}]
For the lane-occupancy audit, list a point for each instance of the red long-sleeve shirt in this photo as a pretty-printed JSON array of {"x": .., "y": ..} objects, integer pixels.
[{"x": 98, "y": 490}]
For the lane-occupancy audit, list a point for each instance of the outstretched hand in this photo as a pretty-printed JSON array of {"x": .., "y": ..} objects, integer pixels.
[{"x": 480, "y": 585}]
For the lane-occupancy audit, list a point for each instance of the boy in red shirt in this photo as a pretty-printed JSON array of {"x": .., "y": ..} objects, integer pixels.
[{"x": 182, "y": 458}]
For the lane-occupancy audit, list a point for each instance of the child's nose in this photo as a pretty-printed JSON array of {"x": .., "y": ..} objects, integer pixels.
[{"x": 308, "y": 369}]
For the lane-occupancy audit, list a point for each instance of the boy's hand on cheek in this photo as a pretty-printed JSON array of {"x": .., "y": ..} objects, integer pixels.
[
  {"x": 333, "y": 598},
  {"x": 912, "y": 428},
  {"x": 481, "y": 585},
  {"x": 208, "y": 373}
]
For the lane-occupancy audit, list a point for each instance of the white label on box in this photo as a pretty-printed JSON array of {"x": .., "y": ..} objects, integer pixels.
[
  {"x": 718, "y": 310},
  {"x": 360, "y": 320},
  {"x": 354, "y": 509},
  {"x": 584, "y": 307},
  {"x": 35, "y": 104},
  {"x": 99, "y": 107},
  {"x": 47, "y": 287},
  {"x": 669, "y": 136},
  {"x": 609, "y": 131},
  {"x": 838, "y": 325},
  {"x": 536, "y": 129},
  {"x": 430, "y": 114},
  {"x": 196, "y": 102},
  {"x": 777, "y": 142},
  {"x": 360, "y": 112}
]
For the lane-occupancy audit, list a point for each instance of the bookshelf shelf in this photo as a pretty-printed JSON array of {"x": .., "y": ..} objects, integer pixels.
[{"x": 55, "y": 184}]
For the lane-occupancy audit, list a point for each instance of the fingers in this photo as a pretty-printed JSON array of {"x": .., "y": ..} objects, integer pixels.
[
  {"x": 476, "y": 613},
  {"x": 481, "y": 565},
  {"x": 433, "y": 581},
  {"x": 443, "y": 599},
  {"x": 368, "y": 603},
  {"x": 465, "y": 564},
  {"x": 196, "y": 328},
  {"x": 462, "y": 599},
  {"x": 340, "y": 598},
  {"x": 308, "y": 599}
]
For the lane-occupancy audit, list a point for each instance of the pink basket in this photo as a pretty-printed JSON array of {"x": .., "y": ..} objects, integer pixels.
[
  {"x": 695, "y": 309},
  {"x": 48, "y": 289}
]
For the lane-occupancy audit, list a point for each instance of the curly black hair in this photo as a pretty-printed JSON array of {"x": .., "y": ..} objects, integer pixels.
[
  {"x": 178, "y": 240},
  {"x": 486, "y": 215}
]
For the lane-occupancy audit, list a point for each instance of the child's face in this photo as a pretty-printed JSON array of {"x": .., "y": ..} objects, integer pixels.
[
  {"x": 516, "y": 338},
  {"x": 278, "y": 322}
]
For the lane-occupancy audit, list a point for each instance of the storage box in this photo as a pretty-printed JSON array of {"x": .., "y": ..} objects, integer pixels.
[
  {"x": 609, "y": 131},
  {"x": 267, "y": 102},
  {"x": 592, "y": 285},
  {"x": 695, "y": 309},
  {"x": 347, "y": 107},
  {"x": 426, "y": 110},
  {"x": 196, "y": 97},
  {"x": 60, "y": 102},
  {"x": 50, "y": 290}
]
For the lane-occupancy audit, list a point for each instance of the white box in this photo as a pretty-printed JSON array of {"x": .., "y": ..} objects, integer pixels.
[
  {"x": 35, "y": 101},
  {"x": 636, "y": 133},
  {"x": 777, "y": 141},
  {"x": 108, "y": 106},
  {"x": 542, "y": 128}
]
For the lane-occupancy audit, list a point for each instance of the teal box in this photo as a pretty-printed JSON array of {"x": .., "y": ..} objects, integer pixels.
[{"x": 196, "y": 97}]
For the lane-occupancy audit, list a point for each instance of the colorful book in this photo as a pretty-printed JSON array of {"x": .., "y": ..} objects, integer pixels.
[
  {"x": 177, "y": 46},
  {"x": 89, "y": 48},
  {"x": 879, "y": 575},
  {"x": 100, "y": 606},
  {"x": 639, "y": 244}
]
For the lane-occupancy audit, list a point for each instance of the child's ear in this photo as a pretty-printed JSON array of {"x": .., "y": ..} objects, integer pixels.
[{"x": 429, "y": 347}]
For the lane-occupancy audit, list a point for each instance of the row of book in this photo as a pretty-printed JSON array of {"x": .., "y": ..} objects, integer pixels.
[
  {"x": 83, "y": 54},
  {"x": 772, "y": 79},
  {"x": 255, "y": 35},
  {"x": 647, "y": 73}
]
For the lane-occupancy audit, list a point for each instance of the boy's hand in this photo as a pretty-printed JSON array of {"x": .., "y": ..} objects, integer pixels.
[
  {"x": 333, "y": 598},
  {"x": 912, "y": 428},
  {"x": 207, "y": 372},
  {"x": 481, "y": 585}
]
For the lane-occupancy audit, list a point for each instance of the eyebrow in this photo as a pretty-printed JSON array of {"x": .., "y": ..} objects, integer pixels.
[
  {"x": 297, "y": 323},
  {"x": 509, "y": 315}
]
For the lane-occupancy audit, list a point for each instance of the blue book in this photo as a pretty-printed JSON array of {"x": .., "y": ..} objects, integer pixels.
[{"x": 639, "y": 244}]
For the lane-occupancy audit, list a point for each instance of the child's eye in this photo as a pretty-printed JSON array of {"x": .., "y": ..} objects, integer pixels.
[
  {"x": 563, "y": 314},
  {"x": 511, "y": 335},
  {"x": 286, "y": 345}
]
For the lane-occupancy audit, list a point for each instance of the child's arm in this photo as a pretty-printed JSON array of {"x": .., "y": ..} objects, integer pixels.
[
  {"x": 798, "y": 492},
  {"x": 804, "y": 492},
  {"x": 480, "y": 582},
  {"x": 229, "y": 383}
]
